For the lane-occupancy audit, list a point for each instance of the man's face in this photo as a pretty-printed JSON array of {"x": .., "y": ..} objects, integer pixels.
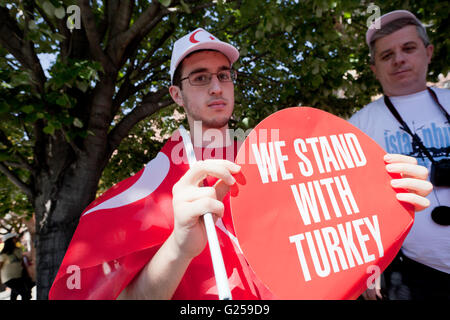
[
  {"x": 401, "y": 62},
  {"x": 213, "y": 103}
]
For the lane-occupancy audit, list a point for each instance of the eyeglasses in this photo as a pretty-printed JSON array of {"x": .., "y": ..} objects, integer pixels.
[{"x": 204, "y": 78}]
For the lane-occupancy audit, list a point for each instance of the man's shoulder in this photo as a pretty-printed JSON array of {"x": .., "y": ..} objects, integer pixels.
[
  {"x": 367, "y": 111},
  {"x": 372, "y": 106},
  {"x": 443, "y": 91},
  {"x": 443, "y": 94}
]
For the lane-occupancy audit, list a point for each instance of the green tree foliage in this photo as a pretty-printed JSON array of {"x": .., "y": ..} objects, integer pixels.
[{"x": 97, "y": 113}]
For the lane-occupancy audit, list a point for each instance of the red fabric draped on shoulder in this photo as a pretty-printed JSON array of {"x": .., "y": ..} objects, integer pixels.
[{"x": 119, "y": 233}]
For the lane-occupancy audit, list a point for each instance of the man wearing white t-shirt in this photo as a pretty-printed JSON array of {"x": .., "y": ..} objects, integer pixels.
[{"x": 400, "y": 54}]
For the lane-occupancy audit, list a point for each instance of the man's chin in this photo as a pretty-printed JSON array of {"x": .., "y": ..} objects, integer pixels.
[{"x": 215, "y": 124}]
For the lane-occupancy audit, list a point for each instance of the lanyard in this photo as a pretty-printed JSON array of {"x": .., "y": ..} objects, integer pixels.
[{"x": 405, "y": 127}]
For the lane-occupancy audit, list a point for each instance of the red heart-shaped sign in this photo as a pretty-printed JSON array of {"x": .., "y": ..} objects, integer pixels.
[{"x": 315, "y": 216}]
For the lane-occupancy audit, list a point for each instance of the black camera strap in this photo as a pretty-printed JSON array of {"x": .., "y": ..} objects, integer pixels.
[
  {"x": 435, "y": 98},
  {"x": 405, "y": 127}
]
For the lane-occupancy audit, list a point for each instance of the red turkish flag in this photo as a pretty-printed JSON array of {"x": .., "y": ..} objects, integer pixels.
[{"x": 119, "y": 233}]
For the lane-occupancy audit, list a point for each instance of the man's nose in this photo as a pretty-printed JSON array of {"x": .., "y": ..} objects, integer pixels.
[
  {"x": 215, "y": 87},
  {"x": 399, "y": 58}
]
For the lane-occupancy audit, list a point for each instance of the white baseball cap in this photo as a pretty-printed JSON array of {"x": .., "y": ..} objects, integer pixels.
[
  {"x": 385, "y": 19},
  {"x": 199, "y": 39}
]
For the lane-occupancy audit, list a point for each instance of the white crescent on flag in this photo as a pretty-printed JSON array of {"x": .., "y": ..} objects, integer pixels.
[{"x": 154, "y": 174}]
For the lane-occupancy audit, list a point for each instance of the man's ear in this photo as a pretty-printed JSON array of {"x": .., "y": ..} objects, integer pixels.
[
  {"x": 374, "y": 69},
  {"x": 175, "y": 93},
  {"x": 429, "y": 50}
]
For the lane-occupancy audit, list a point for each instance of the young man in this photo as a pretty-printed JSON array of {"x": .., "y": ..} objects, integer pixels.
[
  {"x": 203, "y": 86},
  {"x": 400, "y": 53},
  {"x": 152, "y": 222},
  {"x": 162, "y": 252}
]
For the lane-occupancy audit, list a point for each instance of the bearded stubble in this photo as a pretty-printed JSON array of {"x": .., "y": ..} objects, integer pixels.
[{"x": 214, "y": 122}]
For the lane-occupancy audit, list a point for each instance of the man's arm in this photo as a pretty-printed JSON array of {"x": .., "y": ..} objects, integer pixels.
[
  {"x": 159, "y": 279},
  {"x": 162, "y": 275}
]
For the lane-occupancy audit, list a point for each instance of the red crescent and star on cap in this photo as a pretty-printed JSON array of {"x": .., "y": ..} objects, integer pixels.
[{"x": 192, "y": 37}]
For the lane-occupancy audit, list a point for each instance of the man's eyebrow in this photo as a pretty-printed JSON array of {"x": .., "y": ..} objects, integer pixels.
[
  {"x": 224, "y": 68},
  {"x": 205, "y": 69},
  {"x": 408, "y": 43},
  {"x": 198, "y": 70},
  {"x": 404, "y": 44},
  {"x": 383, "y": 52}
]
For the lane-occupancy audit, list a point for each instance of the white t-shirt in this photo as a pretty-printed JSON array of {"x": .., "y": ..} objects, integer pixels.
[{"x": 427, "y": 242}]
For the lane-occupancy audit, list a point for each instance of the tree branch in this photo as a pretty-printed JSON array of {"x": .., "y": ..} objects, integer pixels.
[
  {"x": 156, "y": 63},
  {"x": 127, "y": 89},
  {"x": 12, "y": 38},
  {"x": 16, "y": 180},
  {"x": 39, "y": 144},
  {"x": 15, "y": 165},
  {"x": 93, "y": 36},
  {"x": 66, "y": 44},
  {"x": 146, "y": 22},
  {"x": 22, "y": 161},
  {"x": 149, "y": 105},
  {"x": 157, "y": 45},
  {"x": 46, "y": 18},
  {"x": 255, "y": 57},
  {"x": 119, "y": 16},
  {"x": 74, "y": 147},
  {"x": 127, "y": 41},
  {"x": 141, "y": 23}
]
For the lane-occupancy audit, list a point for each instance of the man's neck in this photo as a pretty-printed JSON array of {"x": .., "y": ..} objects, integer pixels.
[
  {"x": 210, "y": 137},
  {"x": 405, "y": 91}
]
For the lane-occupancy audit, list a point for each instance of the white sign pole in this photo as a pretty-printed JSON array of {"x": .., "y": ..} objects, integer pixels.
[{"x": 214, "y": 247}]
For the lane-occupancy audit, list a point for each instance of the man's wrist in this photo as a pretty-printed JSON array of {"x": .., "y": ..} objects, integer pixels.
[{"x": 176, "y": 252}]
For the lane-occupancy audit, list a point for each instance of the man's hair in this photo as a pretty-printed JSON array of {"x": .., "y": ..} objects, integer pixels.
[
  {"x": 9, "y": 246},
  {"x": 394, "y": 26},
  {"x": 176, "y": 81},
  {"x": 177, "y": 74}
]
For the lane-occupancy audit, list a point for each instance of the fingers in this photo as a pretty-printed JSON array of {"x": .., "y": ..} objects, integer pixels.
[
  {"x": 218, "y": 191},
  {"x": 191, "y": 200},
  {"x": 417, "y": 201},
  {"x": 190, "y": 194},
  {"x": 414, "y": 179},
  {"x": 395, "y": 158},
  {"x": 192, "y": 211},
  {"x": 420, "y": 187},
  {"x": 408, "y": 170},
  {"x": 189, "y": 187},
  {"x": 205, "y": 205},
  {"x": 222, "y": 169}
]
